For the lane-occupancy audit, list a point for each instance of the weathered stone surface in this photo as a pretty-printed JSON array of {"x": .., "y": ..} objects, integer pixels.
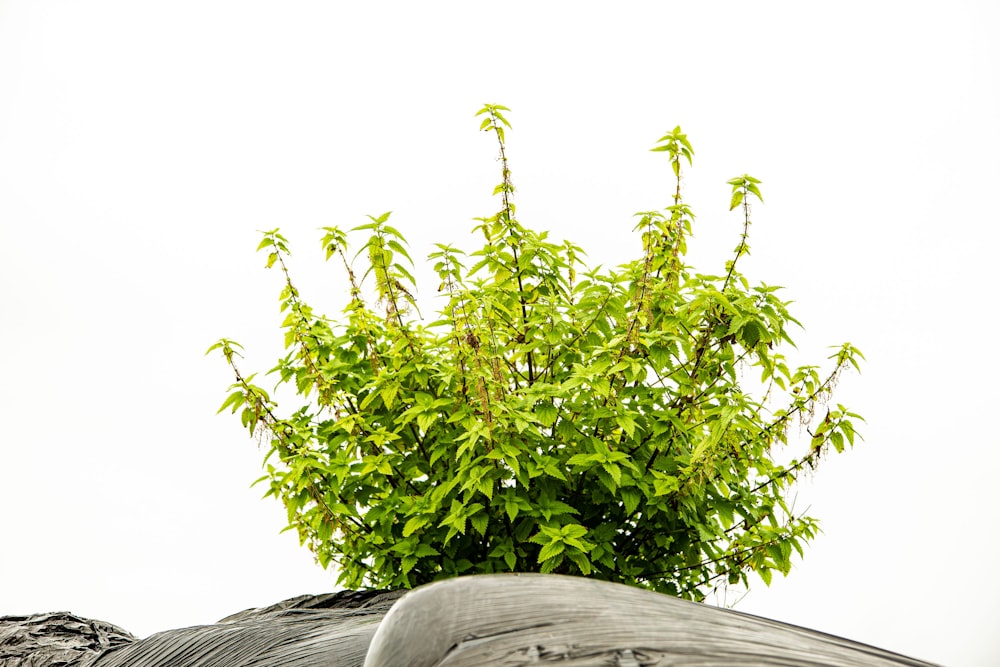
[
  {"x": 529, "y": 619},
  {"x": 333, "y": 629},
  {"x": 482, "y": 621},
  {"x": 56, "y": 639}
]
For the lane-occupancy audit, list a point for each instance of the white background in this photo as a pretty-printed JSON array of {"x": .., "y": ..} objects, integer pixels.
[{"x": 142, "y": 144}]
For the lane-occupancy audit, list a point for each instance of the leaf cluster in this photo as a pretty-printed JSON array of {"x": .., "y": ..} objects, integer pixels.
[{"x": 626, "y": 424}]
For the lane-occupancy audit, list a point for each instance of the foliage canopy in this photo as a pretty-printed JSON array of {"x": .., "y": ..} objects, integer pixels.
[{"x": 624, "y": 424}]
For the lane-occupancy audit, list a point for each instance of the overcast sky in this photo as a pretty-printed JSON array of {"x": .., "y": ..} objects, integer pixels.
[{"x": 142, "y": 144}]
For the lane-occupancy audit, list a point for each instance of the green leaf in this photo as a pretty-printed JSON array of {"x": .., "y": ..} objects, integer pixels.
[
  {"x": 614, "y": 471},
  {"x": 736, "y": 200},
  {"x": 627, "y": 424},
  {"x": 582, "y": 562},
  {"x": 486, "y": 487},
  {"x": 388, "y": 394},
  {"x": 480, "y": 522},
  {"x": 415, "y": 524},
  {"x": 602, "y": 386},
  {"x": 584, "y": 459},
  {"x": 426, "y": 420},
  {"x": 511, "y": 507},
  {"x": 398, "y": 247},
  {"x": 550, "y": 550},
  {"x": 235, "y": 401},
  {"x": 552, "y": 469},
  {"x": 631, "y": 498},
  {"x": 546, "y": 413},
  {"x": 665, "y": 486}
]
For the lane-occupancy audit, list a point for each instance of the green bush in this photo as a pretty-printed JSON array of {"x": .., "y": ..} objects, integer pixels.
[{"x": 554, "y": 418}]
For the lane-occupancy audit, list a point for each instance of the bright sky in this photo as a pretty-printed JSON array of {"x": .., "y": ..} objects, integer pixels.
[{"x": 143, "y": 144}]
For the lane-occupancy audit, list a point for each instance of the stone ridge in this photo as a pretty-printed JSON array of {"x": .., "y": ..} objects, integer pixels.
[
  {"x": 56, "y": 639},
  {"x": 338, "y": 600},
  {"x": 62, "y": 639}
]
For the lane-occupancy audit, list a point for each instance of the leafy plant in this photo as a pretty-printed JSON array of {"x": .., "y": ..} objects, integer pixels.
[{"x": 625, "y": 424}]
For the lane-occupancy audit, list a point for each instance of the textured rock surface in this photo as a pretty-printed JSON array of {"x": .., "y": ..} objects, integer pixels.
[
  {"x": 333, "y": 629},
  {"x": 531, "y": 619},
  {"x": 57, "y": 638},
  {"x": 483, "y": 621}
]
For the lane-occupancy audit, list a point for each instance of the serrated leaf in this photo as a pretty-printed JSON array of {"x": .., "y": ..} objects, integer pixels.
[
  {"x": 479, "y": 522},
  {"x": 627, "y": 423},
  {"x": 388, "y": 394},
  {"x": 615, "y": 471},
  {"x": 736, "y": 200},
  {"x": 565, "y": 429},
  {"x": 426, "y": 420},
  {"x": 583, "y": 459},
  {"x": 550, "y": 550},
  {"x": 552, "y": 470},
  {"x": 581, "y": 562},
  {"x": 512, "y": 510},
  {"x": 546, "y": 413},
  {"x": 631, "y": 498},
  {"x": 606, "y": 479},
  {"x": 665, "y": 486},
  {"x": 414, "y": 524},
  {"x": 513, "y": 464}
]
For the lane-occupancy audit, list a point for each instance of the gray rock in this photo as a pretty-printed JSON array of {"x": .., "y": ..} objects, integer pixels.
[
  {"x": 333, "y": 629},
  {"x": 528, "y": 619},
  {"x": 56, "y": 639},
  {"x": 483, "y": 621}
]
